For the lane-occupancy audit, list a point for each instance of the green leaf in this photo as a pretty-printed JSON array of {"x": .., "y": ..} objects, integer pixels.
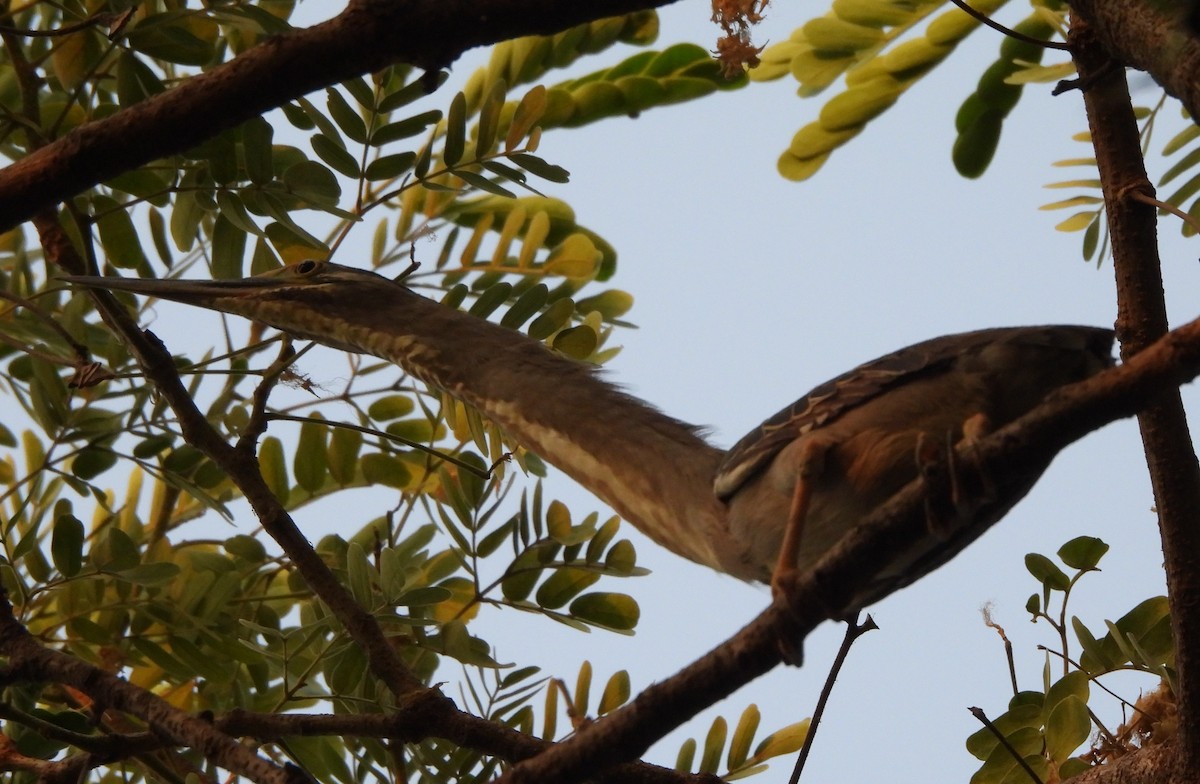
[
  {"x": 424, "y": 160},
  {"x": 479, "y": 182},
  {"x": 686, "y": 757},
  {"x": 136, "y": 81},
  {"x": 787, "y": 740},
  {"x": 529, "y": 303},
  {"x": 622, "y": 558},
  {"x": 402, "y": 129},
  {"x": 66, "y": 545},
  {"x": 418, "y": 88},
  {"x": 491, "y": 299},
  {"x": 565, "y": 584},
  {"x": 246, "y": 547},
  {"x": 338, "y": 158},
  {"x": 489, "y": 118},
  {"x": 347, "y": 118},
  {"x": 833, "y": 35},
  {"x": 527, "y": 114},
  {"x": 273, "y": 464},
  {"x": 389, "y": 167},
  {"x": 860, "y": 104},
  {"x": 1083, "y": 552},
  {"x": 1094, "y": 653},
  {"x": 114, "y": 551},
  {"x": 233, "y": 209},
  {"x": 121, "y": 242},
  {"x": 714, "y": 745},
  {"x": 424, "y": 597},
  {"x": 344, "y": 447},
  {"x": 228, "y": 249},
  {"x": 1067, "y": 728},
  {"x": 610, "y": 304},
  {"x": 616, "y": 693},
  {"x": 309, "y": 462},
  {"x": 313, "y": 183},
  {"x": 743, "y": 736},
  {"x": 257, "y": 151},
  {"x": 150, "y": 574},
  {"x": 1045, "y": 572},
  {"x": 90, "y": 462},
  {"x": 577, "y": 342},
  {"x": 456, "y": 130},
  {"x": 168, "y": 36},
  {"x": 387, "y": 470},
  {"x": 552, "y": 319},
  {"x": 535, "y": 165},
  {"x": 360, "y": 575},
  {"x": 615, "y": 611},
  {"x": 390, "y": 407}
]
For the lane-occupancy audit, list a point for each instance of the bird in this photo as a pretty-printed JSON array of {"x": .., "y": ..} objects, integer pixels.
[{"x": 771, "y": 505}]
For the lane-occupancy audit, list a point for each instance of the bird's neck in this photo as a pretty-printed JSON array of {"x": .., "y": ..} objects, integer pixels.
[{"x": 655, "y": 471}]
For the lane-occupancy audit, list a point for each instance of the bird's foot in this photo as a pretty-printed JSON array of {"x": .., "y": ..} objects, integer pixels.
[
  {"x": 954, "y": 492},
  {"x": 783, "y": 585}
]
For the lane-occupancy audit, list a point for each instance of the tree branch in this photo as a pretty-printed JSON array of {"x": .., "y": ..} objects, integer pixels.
[
  {"x": 1141, "y": 319},
  {"x": 1159, "y": 38},
  {"x": 368, "y": 36},
  {"x": 30, "y": 660},
  {"x": 1005, "y": 457},
  {"x": 426, "y": 708}
]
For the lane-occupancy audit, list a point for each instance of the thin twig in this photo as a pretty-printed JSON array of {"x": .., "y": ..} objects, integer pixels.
[
  {"x": 854, "y": 630},
  {"x": 1145, "y": 198},
  {"x": 990, "y": 622},
  {"x": 479, "y": 472},
  {"x": 1016, "y": 755},
  {"x": 987, "y": 20},
  {"x": 80, "y": 350}
]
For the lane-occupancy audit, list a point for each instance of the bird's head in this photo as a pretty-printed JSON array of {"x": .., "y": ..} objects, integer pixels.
[{"x": 314, "y": 300}]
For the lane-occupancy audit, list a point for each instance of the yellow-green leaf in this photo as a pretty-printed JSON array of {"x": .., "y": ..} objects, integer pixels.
[
  {"x": 615, "y": 611},
  {"x": 309, "y": 462}
]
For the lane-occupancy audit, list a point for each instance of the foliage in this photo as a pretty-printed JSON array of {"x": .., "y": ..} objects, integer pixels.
[
  {"x": 117, "y": 577},
  {"x": 873, "y": 44},
  {"x": 122, "y": 579},
  {"x": 1046, "y": 727},
  {"x": 1181, "y": 198}
]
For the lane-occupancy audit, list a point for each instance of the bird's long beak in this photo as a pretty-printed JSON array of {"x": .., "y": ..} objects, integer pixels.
[{"x": 201, "y": 293}]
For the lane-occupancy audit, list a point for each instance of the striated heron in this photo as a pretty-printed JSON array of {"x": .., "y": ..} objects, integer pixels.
[{"x": 809, "y": 473}]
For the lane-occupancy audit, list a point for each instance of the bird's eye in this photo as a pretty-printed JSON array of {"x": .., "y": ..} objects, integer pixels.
[{"x": 307, "y": 267}]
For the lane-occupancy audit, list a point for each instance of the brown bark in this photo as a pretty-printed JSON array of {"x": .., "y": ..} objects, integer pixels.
[
  {"x": 1141, "y": 319},
  {"x": 1159, "y": 38},
  {"x": 367, "y": 36},
  {"x": 1004, "y": 457}
]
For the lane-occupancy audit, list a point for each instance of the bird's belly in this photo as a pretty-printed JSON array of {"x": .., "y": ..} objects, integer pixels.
[{"x": 857, "y": 473}]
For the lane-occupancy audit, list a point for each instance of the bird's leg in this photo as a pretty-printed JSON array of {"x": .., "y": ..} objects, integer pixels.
[
  {"x": 810, "y": 465},
  {"x": 948, "y": 501}
]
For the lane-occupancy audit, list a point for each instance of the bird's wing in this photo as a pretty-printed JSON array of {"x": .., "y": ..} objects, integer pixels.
[{"x": 833, "y": 398}]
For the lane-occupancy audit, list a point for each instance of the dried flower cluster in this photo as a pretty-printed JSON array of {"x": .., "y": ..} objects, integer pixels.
[{"x": 734, "y": 49}]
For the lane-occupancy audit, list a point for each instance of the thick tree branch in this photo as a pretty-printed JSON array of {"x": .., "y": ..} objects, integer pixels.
[
  {"x": 367, "y": 36},
  {"x": 1006, "y": 457},
  {"x": 28, "y": 659},
  {"x": 1141, "y": 319},
  {"x": 1159, "y": 38},
  {"x": 419, "y": 706}
]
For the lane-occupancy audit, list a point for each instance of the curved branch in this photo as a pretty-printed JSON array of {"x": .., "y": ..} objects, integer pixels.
[
  {"x": 367, "y": 36},
  {"x": 1004, "y": 457},
  {"x": 29, "y": 659}
]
